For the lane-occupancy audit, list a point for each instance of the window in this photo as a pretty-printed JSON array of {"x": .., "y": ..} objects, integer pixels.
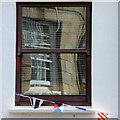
[{"x": 53, "y": 53}]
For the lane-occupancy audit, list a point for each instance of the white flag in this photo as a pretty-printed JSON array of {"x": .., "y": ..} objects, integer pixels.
[{"x": 37, "y": 103}]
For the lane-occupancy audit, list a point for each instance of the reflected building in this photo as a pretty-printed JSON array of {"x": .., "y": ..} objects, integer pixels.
[{"x": 54, "y": 73}]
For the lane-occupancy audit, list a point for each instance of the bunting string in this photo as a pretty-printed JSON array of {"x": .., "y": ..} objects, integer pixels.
[
  {"x": 58, "y": 107},
  {"x": 51, "y": 102}
]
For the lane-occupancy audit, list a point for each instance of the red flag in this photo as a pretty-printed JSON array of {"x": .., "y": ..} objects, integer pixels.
[{"x": 102, "y": 116}]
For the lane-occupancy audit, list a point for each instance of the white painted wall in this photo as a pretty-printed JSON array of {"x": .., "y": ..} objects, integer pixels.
[
  {"x": 105, "y": 57},
  {"x": 104, "y": 61},
  {"x": 0, "y": 60}
]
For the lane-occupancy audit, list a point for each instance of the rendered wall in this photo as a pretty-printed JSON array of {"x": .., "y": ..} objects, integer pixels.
[{"x": 104, "y": 61}]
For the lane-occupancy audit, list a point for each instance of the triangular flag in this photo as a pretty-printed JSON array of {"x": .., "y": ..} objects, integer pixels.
[
  {"x": 61, "y": 107},
  {"x": 102, "y": 116},
  {"x": 58, "y": 107},
  {"x": 80, "y": 108},
  {"x": 37, "y": 103},
  {"x": 57, "y": 110}
]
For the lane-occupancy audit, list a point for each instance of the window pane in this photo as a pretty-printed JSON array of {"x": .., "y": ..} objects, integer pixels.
[
  {"x": 54, "y": 28},
  {"x": 54, "y": 74}
]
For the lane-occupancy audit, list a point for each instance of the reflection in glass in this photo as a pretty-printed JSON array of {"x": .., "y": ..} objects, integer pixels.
[
  {"x": 54, "y": 74},
  {"x": 46, "y": 28}
]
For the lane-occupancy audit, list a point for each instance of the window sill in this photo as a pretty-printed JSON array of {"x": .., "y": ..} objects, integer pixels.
[{"x": 46, "y": 109}]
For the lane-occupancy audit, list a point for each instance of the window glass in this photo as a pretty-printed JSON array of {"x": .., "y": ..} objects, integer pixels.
[
  {"x": 54, "y": 27},
  {"x": 54, "y": 74}
]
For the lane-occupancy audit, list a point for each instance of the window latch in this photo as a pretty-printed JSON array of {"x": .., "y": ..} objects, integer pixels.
[
  {"x": 88, "y": 52},
  {"x": 19, "y": 54}
]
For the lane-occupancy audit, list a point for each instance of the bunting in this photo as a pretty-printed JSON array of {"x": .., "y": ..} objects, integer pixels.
[
  {"x": 37, "y": 103},
  {"x": 58, "y": 107},
  {"x": 103, "y": 116},
  {"x": 80, "y": 108}
]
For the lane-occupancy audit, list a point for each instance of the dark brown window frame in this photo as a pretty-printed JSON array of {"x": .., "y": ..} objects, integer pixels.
[{"x": 84, "y": 100}]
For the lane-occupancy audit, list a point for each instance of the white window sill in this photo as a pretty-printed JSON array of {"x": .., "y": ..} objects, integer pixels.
[{"x": 46, "y": 109}]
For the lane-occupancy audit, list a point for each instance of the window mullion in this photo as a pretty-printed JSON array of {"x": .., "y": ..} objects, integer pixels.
[{"x": 54, "y": 51}]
